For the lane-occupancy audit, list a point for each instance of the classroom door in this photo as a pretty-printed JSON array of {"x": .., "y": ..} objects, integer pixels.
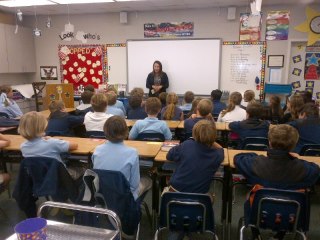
[{"x": 117, "y": 65}]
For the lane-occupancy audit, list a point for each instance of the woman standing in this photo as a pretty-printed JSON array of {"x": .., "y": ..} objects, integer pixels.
[{"x": 157, "y": 80}]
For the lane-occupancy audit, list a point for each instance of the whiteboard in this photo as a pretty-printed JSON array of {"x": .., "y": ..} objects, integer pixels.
[
  {"x": 242, "y": 62},
  {"x": 191, "y": 64}
]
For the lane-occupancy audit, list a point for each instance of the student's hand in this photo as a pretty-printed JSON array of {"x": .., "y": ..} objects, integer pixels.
[
  {"x": 216, "y": 145},
  {"x": 295, "y": 155},
  {"x": 46, "y": 137}
]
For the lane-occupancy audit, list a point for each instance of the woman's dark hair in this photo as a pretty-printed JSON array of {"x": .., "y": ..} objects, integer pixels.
[{"x": 160, "y": 64}]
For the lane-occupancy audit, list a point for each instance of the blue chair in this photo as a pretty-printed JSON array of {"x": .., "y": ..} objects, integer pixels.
[
  {"x": 186, "y": 213},
  {"x": 96, "y": 134},
  {"x": 278, "y": 210},
  {"x": 310, "y": 150},
  {"x": 152, "y": 137},
  {"x": 256, "y": 143}
]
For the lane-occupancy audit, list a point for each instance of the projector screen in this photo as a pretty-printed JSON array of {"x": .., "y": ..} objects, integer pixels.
[{"x": 191, "y": 64}]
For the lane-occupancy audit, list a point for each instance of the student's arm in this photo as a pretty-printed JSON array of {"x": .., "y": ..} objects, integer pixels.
[
  {"x": 234, "y": 126},
  {"x": 181, "y": 116},
  {"x": 219, "y": 118},
  {"x": 174, "y": 153},
  {"x": 216, "y": 145},
  {"x": 73, "y": 146},
  {"x": 166, "y": 132},
  {"x": 135, "y": 177},
  {"x": 4, "y": 141},
  {"x": 134, "y": 132}
]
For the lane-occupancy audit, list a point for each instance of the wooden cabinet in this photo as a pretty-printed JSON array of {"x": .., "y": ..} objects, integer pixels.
[
  {"x": 3, "y": 51},
  {"x": 20, "y": 50}
]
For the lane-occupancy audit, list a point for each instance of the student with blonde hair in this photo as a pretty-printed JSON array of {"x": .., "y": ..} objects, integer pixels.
[
  {"x": 32, "y": 127},
  {"x": 233, "y": 112},
  {"x": 60, "y": 122},
  {"x": 171, "y": 111},
  {"x": 94, "y": 121},
  {"x": 118, "y": 104},
  {"x": 112, "y": 109},
  {"x": 7, "y": 104},
  {"x": 294, "y": 105}
]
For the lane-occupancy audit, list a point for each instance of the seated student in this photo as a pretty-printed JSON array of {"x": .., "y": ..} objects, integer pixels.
[
  {"x": 163, "y": 99},
  {"x": 32, "y": 127},
  {"x": 171, "y": 111},
  {"x": 94, "y": 121},
  {"x": 151, "y": 124},
  {"x": 204, "y": 110},
  {"x": 294, "y": 104},
  {"x": 280, "y": 168},
  {"x": 89, "y": 88},
  {"x": 60, "y": 122},
  {"x": 4, "y": 177},
  {"x": 248, "y": 97},
  {"x": 136, "y": 111},
  {"x": 118, "y": 103},
  {"x": 136, "y": 92},
  {"x": 218, "y": 106},
  {"x": 85, "y": 106},
  {"x": 308, "y": 126},
  {"x": 197, "y": 160},
  {"x": 7, "y": 104},
  {"x": 193, "y": 110},
  {"x": 112, "y": 109},
  {"x": 274, "y": 112},
  {"x": 253, "y": 126},
  {"x": 123, "y": 158},
  {"x": 188, "y": 98},
  {"x": 233, "y": 112}
]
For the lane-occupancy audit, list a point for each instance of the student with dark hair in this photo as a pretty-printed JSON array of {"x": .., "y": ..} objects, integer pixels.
[
  {"x": 60, "y": 122},
  {"x": 85, "y": 106},
  {"x": 89, "y": 88},
  {"x": 308, "y": 126},
  {"x": 274, "y": 112},
  {"x": 121, "y": 158},
  {"x": 151, "y": 124},
  {"x": 187, "y": 98},
  {"x": 248, "y": 97},
  {"x": 112, "y": 109},
  {"x": 136, "y": 111},
  {"x": 218, "y": 106},
  {"x": 157, "y": 80},
  {"x": 280, "y": 169},
  {"x": 253, "y": 126},
  {"x": 233, "y": 112},
  {"x": 294, "y": 105}
]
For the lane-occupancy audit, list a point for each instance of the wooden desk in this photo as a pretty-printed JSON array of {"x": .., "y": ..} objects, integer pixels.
[
  {"x": 85, "y": 145},
  {"x": 221, "y": 126},
  {"x": 171, "y": 124},
  {"x": 232, "y": 153},
  {"x": 162, "y": 157},
  {"x": 15, "y": 142},
  {"x": 6, "y": 129},
  {"x": 46, "y": 113}
]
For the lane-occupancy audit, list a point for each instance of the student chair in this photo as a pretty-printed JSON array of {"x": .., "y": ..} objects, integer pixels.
[
  {"x": 310, "y": 150},
  {"x": 96, "y": 134},
  {"x": 186, "y": 213},
  {"x": 42, "y": 177},
  {"x": 38, "y": 89},
  {"x": 4, "y": 115},
  {"x": 152, "y": 137},
  {"x": 277, "y": 210},
  {"x": 255, "y": 143}
]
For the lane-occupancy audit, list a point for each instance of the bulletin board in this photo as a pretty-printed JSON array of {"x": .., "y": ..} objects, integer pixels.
[
  {"x": 82, "y": 65},
  {"x": 243, "y": 67}
]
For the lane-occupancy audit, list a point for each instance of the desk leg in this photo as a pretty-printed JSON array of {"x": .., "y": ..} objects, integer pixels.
[
  {"x": 225, "y": 198},
  {"x": 155, "y": 199}
]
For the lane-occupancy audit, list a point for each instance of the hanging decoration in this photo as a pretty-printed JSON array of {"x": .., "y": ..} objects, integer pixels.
[
  {"x": 277, "y": 25},
  {"x": 250, "y": 27},
  {"x": 312, "y": 66},
  {"x": 311, "y": 25}
]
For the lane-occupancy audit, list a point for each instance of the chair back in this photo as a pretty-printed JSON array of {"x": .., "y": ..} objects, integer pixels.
[
  {"x": 151, "y": 137},
  {"x": 4, "y": 115},
  {"x": 96, "y": 134},
  {"x": 186, "y": 212},
  {"x": 256, "y": 143},
  {"x": 38, "y": 88},
  {"x": 310, "y": 150},
  {"x": 279, "y": 210}
]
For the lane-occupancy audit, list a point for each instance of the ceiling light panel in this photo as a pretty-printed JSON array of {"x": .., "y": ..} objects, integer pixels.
[{"x": 23, "y": 3}]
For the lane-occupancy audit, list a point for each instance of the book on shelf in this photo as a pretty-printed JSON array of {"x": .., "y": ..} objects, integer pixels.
[{"x": 167, "y": 145}]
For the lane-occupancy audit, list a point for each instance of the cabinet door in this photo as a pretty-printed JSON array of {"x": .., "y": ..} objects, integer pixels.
[
  {"x": 117, "y": 65},
  {"x": 20, "y": 49},
  {"x": 3, "y": 51}
]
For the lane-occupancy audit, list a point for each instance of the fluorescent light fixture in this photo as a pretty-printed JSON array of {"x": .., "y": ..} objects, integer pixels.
[
  {"x": 81, "y": 1},
  {"x": 23, "y": 3}
]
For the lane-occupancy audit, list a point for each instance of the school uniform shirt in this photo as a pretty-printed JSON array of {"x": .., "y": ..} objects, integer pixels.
[
  {"x": 309, "y": 132},
  {"x": 9, "y": 106},
  {"x": 251, "y": 127},
  {"x": 137, "y": 113},
  {"x": 150, "y": 125},
  {"x": 40, "y": 147},
  {"x": 277, "y": 170},
  {"x": 94, "y": 121},
  {"x": 218, "y": 107},
  {"x": 119, "y": 157},
  {"x": 62, "y": 123},
  {"x": 177, "y": 114},
  {"x": 113, "y": 110},
  {"x": 84, "y": 106},
  {"x": 120, "y": 105},
  {"x": 189, "y": 123},
  {"x": 237, "y": 114},
  {"x": 186, "y": 107},
  {"x": 196, "y": 165}
]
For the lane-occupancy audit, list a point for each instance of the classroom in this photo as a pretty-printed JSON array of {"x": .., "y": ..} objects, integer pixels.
[{"x": 51, "y": 55}]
